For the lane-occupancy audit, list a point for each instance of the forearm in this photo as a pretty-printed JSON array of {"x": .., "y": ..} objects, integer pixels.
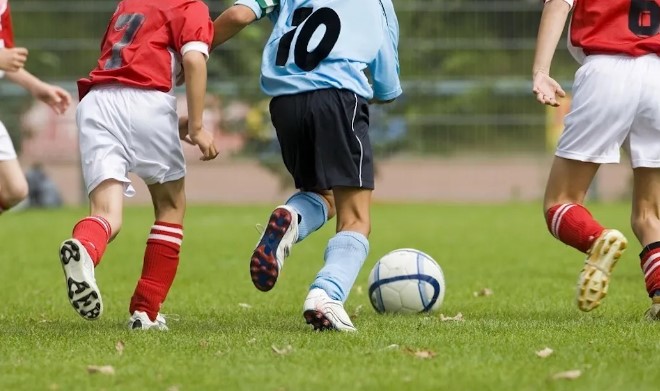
[
  {"x": 195, "y": 77},
  {"x": 553, "y": 19},
  {"x": 24, "y": 79},
  {"x": 230, "y": 23}
]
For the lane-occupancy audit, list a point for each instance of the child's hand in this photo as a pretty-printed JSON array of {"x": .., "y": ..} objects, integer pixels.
[
  {"x": 546, "y": 89},
  {"x": 204, "y": 140},
  {"x": 12, "y": 59},
  {"x": 56, "y": 97}
]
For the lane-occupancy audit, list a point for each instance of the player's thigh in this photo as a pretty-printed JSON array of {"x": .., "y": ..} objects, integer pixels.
[
  {"x": 103, "y": 140},
  {"x": 353, "y": 206},
  {"x": 603, "y": 108},
  {"x": 158, "y": 154},
  {"x": 341, "y": 134},
  {"x": 643, "y": 143},
  {"x": 169, "y": 200},
  {"x": 568, "y": 182}
]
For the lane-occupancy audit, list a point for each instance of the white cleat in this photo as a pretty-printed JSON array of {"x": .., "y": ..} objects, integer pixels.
[
  {"x": 273, "y": 247},
  {"x": 595, "y": 276},
  {"x": 83, "y": 293},
  {"x": 140, "y": 321},
  {"x": 324, "y": 313}
]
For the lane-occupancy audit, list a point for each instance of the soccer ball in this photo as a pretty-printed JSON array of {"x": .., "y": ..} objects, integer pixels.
[{"x": 406, "y": 281}]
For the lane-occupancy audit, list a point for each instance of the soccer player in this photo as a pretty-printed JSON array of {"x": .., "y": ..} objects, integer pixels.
[
  {"x": 127, "y": 122},
  {"x": 616, "y": 103},
  {"x": 313, "y": 66},
  {"x": 13, "y": 186}
]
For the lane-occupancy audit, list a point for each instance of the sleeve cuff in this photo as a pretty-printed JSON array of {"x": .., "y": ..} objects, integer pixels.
[
  {"x": 569, "y": 2},
  {"x": 197, "y": 46},
  {"x": 390, "y": 95},
  {"x": 253, "y": 5}
]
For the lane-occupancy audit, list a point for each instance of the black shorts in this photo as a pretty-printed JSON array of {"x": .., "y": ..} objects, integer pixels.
[{"x": 324, "y": 137}]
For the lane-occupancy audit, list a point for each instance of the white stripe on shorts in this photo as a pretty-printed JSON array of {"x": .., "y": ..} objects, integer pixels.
[{"x": 356, "y": 136}]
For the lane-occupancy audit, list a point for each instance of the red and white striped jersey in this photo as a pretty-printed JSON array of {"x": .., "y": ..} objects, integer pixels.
[{"x": 144, "y": 41}]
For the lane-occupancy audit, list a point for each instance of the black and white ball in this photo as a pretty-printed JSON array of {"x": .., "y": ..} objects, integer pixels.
[{"x": 406, "y": 281}]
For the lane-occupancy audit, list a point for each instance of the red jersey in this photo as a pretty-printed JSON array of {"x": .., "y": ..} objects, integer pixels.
[
  {"x": 616, "y": 26},
  {"x": 146, "y": 39},
  {"x": 6, "y": 33}
]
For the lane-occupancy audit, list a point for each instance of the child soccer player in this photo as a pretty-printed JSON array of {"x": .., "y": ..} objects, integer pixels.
[
  {"x": 313, "y": 67},
  {"x": 13, "y": 186},
  {"x": 128, "y": 123},
  {"x": 616, "y": 103}
]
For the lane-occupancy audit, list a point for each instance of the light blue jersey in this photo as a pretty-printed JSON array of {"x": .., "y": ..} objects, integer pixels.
[{"x": 318, "y": 44}]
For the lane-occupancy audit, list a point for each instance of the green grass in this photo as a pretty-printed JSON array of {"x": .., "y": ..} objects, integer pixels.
[{"x": 219, "y": 345}]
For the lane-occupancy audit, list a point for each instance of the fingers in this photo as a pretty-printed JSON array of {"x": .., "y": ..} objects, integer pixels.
[{"x": 209, "y": 153}]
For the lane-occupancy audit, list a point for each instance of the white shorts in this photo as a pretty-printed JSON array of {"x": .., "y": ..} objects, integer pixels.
[
  {"x": 7, "y": 151},
  {"x": 124, "y": 130},
  {"x": 616, "y": 103}
]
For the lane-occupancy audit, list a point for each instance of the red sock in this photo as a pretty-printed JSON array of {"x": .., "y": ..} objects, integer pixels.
[
  {"x": 93, "y": 232},
  {"x": 161, "y": 259},
  {"x": 573, "y": 225},
  {"x": 650, "y": 263}
]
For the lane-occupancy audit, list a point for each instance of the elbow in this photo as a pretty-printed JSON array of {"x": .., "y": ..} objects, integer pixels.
[{"x": 193, "y": 59}]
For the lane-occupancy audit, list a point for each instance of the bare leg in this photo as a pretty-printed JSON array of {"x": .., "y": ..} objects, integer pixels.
[{"x": 13, "y": 186}]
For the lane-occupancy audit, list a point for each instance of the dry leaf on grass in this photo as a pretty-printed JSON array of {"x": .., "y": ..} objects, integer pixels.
[
  {"x": 424, "y": 354},
  {"x": 357, "y": 311},
  {"x": 119, "y": 346},
  {"x": 283, "y": 351},
  {"x": 173, "y": 388},
  {"x": 244, "y": 305},
  {"x": 252, "y": 340},
  {"x": 545, "y": 352},
  {"x": 102, "y": 369},
  {"x": 358, "y": 290},
  {"x": 483, "y": 292},
  {"x": 567, "y": 375},
  {"x": 391, "y": 347},
  {"x": 457, "y": 318},
  {"x": 203, "y": 344}
]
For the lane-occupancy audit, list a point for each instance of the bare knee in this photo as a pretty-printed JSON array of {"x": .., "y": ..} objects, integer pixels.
[{"x": 13, "y": 193}]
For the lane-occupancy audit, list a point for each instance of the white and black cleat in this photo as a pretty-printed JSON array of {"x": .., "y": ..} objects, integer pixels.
[{"x": 83, "y": 293}]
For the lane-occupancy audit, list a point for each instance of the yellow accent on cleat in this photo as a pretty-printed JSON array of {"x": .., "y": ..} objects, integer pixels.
[{"x": 595, "y": 276}]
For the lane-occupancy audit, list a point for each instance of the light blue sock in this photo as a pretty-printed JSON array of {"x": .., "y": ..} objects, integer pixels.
[
  {"x": 312, "y": 209},
  {"x": 344, "y": 258}
]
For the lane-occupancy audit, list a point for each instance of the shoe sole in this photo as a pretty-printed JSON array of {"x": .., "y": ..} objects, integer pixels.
[
  {"x": 263, "y": 264},
  {"x": 594, "y": 278},
  {"x": 317, "y": 320},
  {"x": 83, "y": 295}
]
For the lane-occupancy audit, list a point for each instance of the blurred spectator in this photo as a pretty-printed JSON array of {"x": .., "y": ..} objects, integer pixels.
[{"x": 42, "y": 191}]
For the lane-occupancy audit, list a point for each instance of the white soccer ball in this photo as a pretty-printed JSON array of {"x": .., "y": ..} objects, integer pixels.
[{"x": 406, "y": 281}]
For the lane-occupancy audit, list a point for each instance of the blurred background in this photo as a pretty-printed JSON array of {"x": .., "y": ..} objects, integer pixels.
[{"x": 467, "y": 128}]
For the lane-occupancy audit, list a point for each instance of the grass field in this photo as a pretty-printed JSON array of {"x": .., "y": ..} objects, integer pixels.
[{"x": 220, "y": 344}]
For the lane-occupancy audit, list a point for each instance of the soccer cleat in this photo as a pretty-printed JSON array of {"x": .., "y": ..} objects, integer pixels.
[
  {"x": 83, "y": 293},
  {"x": 653, "y": 313},
  {"x": 595, "y": 276},
  {"x": 273, "y": 247},
  {"x": 324, "y": 313},
  {"x": 140, "y": 321}
]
